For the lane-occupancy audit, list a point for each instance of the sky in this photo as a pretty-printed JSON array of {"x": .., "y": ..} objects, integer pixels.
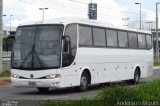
[{"x": 108, "y": 10}]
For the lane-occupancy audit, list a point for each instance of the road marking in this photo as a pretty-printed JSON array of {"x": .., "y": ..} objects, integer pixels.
[{"x": 59, "y": 97}]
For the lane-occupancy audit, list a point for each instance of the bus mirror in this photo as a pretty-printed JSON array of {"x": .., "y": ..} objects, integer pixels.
[
  {"x": 66, "y": 43},
  {"x": 63, "y": 37},
  {"x": 65, "y": 46},
  {"x": 66, "y": 50},
  {"x": 66, "y": 38}
]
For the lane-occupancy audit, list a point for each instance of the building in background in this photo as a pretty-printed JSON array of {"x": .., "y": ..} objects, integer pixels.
[{"x": 145, "y": 25}]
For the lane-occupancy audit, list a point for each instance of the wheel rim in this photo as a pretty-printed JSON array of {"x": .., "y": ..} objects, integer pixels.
[
  {"x": 84, "y": 82},
  {"x": 136, "y": 77}
]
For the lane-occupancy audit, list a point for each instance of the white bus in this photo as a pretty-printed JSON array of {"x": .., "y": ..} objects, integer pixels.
[{"x": 77, "y": 53}]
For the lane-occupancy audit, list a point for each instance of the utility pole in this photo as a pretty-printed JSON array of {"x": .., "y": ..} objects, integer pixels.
[
  {"x": 1, "y": 33},
  {"x": 157, "y": 35}
]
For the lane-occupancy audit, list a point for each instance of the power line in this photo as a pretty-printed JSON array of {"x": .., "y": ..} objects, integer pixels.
[
  {"x": 34, "y": 2},
  {"x": 106, "y": 7},
  {"x": 87, "y": 4}
]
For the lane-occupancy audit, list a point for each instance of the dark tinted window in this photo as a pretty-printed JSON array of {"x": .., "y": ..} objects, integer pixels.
[
  {"x": 133, "y": 40},
  {"x": 99, "y": 37},
  {"x": 37, "y": 47},
  {"x": 85, "y": 35},
  {"x": 71, "y": 31},
  {"x": 111, "y": 38},
  {"x": 141, "y": 41},
  {"x": 122, "y": 39},
  {"x": 149, "y": 41}
]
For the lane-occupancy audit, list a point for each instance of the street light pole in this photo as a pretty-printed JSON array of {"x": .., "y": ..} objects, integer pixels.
[
  {"x": 125, "y": 20},
  {"x": 4, "y": 16},
  {"x": 149, "y": 22},
  {"x": 157, "y": 36},
  {"x": 19, "y": 21},
  {"x": 43, "y": 12},
  {"x": 1, "y": 33},
  {"x": 140, "y": 14},
  {"x": 10, "y": 24}
]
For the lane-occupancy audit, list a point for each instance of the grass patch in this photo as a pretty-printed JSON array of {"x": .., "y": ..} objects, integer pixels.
[
  {"x": 142, "y": 92},
  {"x": 158, "y": 65},
  {"x": 117, "y": 95},
  {"x": 83, "y": 102},
  {"x": 5, "y": 74}
]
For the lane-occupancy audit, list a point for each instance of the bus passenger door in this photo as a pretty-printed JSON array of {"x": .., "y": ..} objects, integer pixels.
[{"x": 68, "y": 71}]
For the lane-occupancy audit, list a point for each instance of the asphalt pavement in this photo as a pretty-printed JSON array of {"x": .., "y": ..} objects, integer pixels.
[{"x": 11, "y": 93}]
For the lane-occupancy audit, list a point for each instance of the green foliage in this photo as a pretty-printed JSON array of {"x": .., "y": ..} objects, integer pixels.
[
  {"x": 142, "y": 92},
  {"x": 110, "y": 96},
  {"x": 74, "y": 103},
  {"x": 13, "y": 32},
  {"x": 5, "y": 74},
  {"x": 8, "y": 43},
  {"x": 8, "y": 40},
  {"x": 154, "y": 43}
]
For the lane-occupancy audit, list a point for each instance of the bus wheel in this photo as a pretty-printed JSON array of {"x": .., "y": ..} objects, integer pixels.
[
  {"x": 84, "y": 82},
  {"x": 136, "y": 77},
  {"x": 40, "y": 89}
]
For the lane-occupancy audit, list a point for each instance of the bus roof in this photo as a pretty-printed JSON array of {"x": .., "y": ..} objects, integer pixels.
[{"x": 69, "y": 20}]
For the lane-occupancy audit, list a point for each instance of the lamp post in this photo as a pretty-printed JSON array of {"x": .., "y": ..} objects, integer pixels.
[
  {"x": 19, "y": 21},
  {"x": 157, "y": 36},
  {"x": 125, "y": 21},
  {"x": 140, "y": 14},
  {"x": 43, "y": 12},
  {"x": 10, "y": 24},
  {"x": 4, "y": 16},
  {"x": 149, "y": 22},
  {"x": 1, "y": 25}
]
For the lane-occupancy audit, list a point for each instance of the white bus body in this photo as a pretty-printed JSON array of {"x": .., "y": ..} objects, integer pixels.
[{"x": 106, "y": 63}]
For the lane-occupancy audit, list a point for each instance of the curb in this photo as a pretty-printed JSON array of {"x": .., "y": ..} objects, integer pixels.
[
  {"x": 156, "y": 67},
  {"x": 5, "y": 81}
]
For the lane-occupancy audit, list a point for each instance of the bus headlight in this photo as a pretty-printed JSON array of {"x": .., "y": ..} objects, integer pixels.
[
  {"x": 51, "y": 76},
  {"x": 15, "y": 76}
]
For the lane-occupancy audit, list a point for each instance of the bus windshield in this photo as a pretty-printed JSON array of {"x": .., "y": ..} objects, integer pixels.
[{"x": 37, "y": 47}]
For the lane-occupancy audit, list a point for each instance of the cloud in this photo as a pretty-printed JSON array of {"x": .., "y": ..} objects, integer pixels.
[
  {"x": 28, "y": 10},
  {"x": 150, "y": 15}
]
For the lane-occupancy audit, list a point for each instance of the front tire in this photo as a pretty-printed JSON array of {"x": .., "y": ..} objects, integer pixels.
[
  {"x": 40, "y": 89},
  {"x": 83, "y": 82}
]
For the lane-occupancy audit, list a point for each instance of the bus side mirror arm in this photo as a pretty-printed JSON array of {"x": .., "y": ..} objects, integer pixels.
[
  {"x": 67, "y": 49},
  {"x": 63, "y": 38}
]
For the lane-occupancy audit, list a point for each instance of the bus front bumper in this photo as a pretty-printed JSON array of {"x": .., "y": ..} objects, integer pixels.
[{"x": 34, "y": 83}]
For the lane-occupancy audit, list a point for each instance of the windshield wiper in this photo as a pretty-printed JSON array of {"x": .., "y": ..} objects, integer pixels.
[
  {"x": 32, "y": 52},
  {"x": 28, "y": 54}
]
